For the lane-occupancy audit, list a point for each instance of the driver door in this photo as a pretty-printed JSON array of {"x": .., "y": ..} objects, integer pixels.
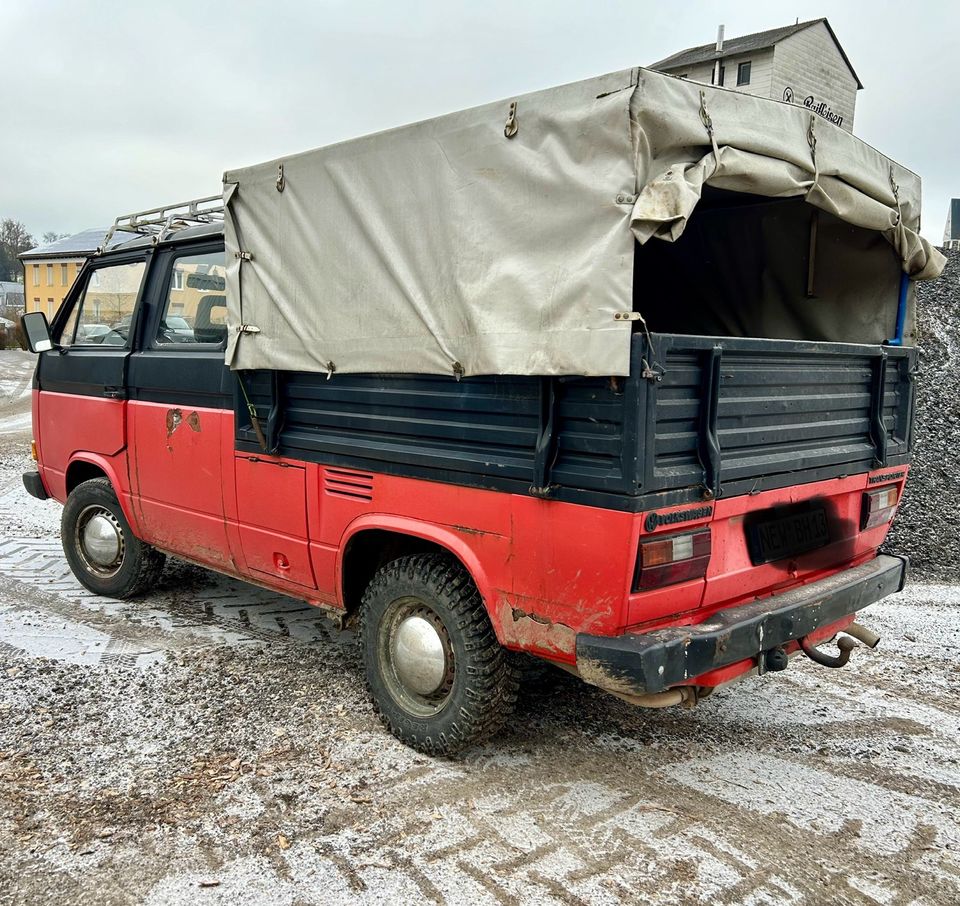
[{"x": 81, "y": 405}]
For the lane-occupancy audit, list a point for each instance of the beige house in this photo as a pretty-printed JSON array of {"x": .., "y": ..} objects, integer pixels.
[
  {"x": 802, "y": 64},
  {"x": 49, "y": 270}
]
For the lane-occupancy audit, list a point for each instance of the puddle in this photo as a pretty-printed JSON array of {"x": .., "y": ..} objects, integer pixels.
[{"x": 43, "y": 635}]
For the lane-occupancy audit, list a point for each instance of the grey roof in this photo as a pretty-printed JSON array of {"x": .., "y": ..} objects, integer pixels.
[
  {"x": 760, "y": 40},
  {"x": 9, "y": 286},
  {"x": 75, "y": 246},
  {"x": 84, "y": 244},
  {"x": 80, "y": 245}
]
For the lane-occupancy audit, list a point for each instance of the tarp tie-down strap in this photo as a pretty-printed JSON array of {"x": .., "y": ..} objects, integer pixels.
[
  {"x": 896, "y": 195},
  {"x": 254, "y": 417},
  {"x": 812, "y": 142},
  {"x": 708, "y": 125}
]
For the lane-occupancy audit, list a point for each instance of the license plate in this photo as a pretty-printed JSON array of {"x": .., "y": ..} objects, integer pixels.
[{"x": 787, "y": 536}]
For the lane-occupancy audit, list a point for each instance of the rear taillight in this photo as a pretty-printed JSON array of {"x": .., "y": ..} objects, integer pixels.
[
  {"x": 879, "y": 507},
  {"x": 675, "y": 558}
]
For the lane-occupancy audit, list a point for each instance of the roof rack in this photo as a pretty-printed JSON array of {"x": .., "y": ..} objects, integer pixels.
[{"x": 158, "y": 222}]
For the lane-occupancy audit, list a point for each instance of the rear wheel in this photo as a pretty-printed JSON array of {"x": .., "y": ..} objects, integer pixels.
[
  {"x": 101, "y": 549},
  {"x": 438, "y": 676}
]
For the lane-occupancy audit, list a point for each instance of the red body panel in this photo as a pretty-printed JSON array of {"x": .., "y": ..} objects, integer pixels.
[
  {"x": 547, "y": 570},
  {"x": 70, "y": 428},
  {"x": 177, "y": 479},
  {"x": 272, "y": 519}
]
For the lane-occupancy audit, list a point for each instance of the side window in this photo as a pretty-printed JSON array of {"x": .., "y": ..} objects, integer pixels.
[
  {"x": 195, "y": 310},
  {"x": 104, "y": 313}
]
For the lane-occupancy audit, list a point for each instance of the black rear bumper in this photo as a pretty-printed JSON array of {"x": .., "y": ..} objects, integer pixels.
[
  {"x": 637, "y": 664},
  {"x": 34, "y": 485}
]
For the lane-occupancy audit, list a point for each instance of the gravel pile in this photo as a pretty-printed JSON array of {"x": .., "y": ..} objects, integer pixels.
[{"x": 928, "y": 525}]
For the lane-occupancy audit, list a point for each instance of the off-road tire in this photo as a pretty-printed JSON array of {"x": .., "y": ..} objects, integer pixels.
[
  {"x": 139, "y": 565},
  {"x": 483, "y": 685}
]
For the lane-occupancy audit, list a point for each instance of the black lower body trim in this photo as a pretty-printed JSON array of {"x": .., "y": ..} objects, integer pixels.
[
  {"x": 34, "y": 485},
  {"x": 638, "y": 664}
]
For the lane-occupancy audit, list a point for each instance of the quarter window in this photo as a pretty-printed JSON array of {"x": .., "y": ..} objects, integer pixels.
[
  {"x": 743, "y": 73},
  {"x": 105, "y": 312},
  {"x": 195, "y": 311}
]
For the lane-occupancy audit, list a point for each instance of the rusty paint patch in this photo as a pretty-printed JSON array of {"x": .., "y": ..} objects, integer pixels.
[
  {"x": 535, "y": 633},
  {"x": 193, "y": 420},
  {"x": 466, "y": 530},
  {"x": 174, "y": 417}
]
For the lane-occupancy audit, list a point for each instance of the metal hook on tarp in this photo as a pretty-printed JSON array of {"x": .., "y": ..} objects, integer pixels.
[
  {"x": 512, "y": 125},
  {"x": 707, "y": 121}
]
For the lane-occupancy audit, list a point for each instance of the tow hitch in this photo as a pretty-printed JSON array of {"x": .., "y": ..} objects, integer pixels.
[{"x": 846, "y": 644}]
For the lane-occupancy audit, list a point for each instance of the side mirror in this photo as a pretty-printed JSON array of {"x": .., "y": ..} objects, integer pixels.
[{"x": 36, "y": 331}]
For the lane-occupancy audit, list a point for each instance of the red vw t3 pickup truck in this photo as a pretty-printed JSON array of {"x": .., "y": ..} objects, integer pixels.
[{"x": 619, "y": 375}]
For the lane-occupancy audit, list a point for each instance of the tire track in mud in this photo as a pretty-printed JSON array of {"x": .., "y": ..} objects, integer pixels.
[{"x": 204, "y": 612}]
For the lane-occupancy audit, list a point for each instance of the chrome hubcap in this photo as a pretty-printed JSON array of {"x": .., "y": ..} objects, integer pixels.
[
  {"x": 100, "y": 540},
  {"x": 418, "y": 655}
]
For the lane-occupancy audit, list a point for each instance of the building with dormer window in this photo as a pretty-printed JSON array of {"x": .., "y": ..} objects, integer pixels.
[{"x": 803, "y": 64}]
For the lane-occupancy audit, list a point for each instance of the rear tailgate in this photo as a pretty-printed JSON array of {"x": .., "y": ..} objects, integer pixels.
[
  {"x": 778, "y": 440},
  {"x": 737, "y": 416}
]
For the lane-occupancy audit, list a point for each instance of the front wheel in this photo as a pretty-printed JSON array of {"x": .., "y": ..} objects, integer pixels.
[
  {"x": 438, "y": 676},
  {"x": 101, "y": 549}
]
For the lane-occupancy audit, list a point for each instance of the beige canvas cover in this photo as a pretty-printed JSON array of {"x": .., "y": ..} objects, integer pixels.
[{"x": 499, "y": 240}]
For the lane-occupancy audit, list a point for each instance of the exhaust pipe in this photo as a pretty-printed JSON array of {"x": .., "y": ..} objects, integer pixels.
[
  {"x": 681, "y": 695},
  {"x": 862, "y": 634}
]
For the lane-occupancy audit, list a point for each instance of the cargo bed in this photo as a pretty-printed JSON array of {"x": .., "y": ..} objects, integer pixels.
[{"x": 698, "y": 418}]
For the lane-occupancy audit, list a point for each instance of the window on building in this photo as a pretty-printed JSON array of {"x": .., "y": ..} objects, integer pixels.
[
  {"x": 49, "y": 275},
  {"x": 743, "y": 73},
  {"x": 36, "y": 276},
  {"x": 176, "y": 282},
  {"x": 713, "y": 75},
  {"x": 63, "y": 275}
]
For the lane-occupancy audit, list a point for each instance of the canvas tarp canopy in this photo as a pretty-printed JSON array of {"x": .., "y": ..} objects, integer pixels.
[{"x": 451, "y": 247}]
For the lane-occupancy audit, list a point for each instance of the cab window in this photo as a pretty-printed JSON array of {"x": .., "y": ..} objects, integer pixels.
[
  {"x": 104, "y": 313},
  {"x": 195, "y": 309}
]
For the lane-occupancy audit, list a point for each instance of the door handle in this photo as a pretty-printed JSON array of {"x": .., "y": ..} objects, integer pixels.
[{"x": 115, "y": 393}]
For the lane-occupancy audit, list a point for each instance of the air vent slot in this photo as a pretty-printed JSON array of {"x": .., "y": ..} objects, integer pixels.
[{"x": 345, "y": 483}]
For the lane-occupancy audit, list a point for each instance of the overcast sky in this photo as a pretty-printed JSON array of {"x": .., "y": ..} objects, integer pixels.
[{"x": 111, "y": 107}]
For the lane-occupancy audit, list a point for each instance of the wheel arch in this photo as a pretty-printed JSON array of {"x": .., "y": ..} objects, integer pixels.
[
  {"x": 84, "y": 466},
  {"x": 371, "y": 541}
]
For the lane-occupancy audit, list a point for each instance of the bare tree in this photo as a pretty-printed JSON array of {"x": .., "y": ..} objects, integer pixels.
[
  {"x": 52, "y": 236},
  {"x": 14, "y": 240}
]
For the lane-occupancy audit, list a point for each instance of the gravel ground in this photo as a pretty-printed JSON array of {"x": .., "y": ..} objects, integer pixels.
[
  {"x": 928, "y": 525},
  {"x": 212, "y": 743}
]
